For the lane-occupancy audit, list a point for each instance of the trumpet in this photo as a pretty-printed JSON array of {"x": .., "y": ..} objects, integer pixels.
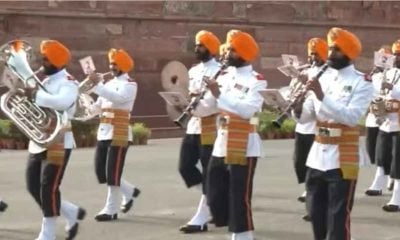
[
  {"x": 183, "y": 119},
  {"x": 85, "y": 101},
  {"x": 295, "y": 100}
]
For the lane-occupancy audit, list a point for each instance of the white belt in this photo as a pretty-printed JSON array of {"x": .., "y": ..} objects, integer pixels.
[
  {"x": 107, "y": 114},
  {"x": 329, "y": 132}
]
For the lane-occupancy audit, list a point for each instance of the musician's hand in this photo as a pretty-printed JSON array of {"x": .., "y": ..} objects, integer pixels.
[
  {"x": 193, "y": 94},
  {"x": 303, "y": 78},
  {"x": 214, "y": 88},
  {"x": 30, "y": 93},
  {"x": 315, "y": 86},
  {"x": 95, "y": 78},
  {"x": 386, "y": 85}
]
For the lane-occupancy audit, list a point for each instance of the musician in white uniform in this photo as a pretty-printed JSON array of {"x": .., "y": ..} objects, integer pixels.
[
  {"x": 200, "y": 134},
  {"x": 388, "y": 139},
  {"x": 46, "y": 166},
  {"x": 333, "y": 161},
  {"x": 305, "y": 132},
  {"x": 238, "y": 146},
  {"x": 371, "y": 123},
  {"x": 114, "y": 104}
]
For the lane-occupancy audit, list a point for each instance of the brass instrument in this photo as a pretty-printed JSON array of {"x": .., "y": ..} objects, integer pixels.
[
  {"x": 85, "y": 101},
  {"x": 41, "y": 125},
  {"x": 295, "y": 100},
  {"x": 183, "y": 119},
  {"x": 378, "y": 105}
]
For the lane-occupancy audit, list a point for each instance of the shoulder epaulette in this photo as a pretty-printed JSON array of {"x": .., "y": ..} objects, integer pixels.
[
  {"x": 71, "y": 78},
  {"x": 367, "y": 78},
  {"x": 258, "y": 76}
]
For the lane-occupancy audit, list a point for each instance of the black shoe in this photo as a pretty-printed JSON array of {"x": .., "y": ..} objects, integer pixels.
[
  {"x": 370, "y": 192},
  {"x": 391, "y": 186},
  {"x": 3, "y": 206},
  {"x": 127, "y": 206},
  {"x": 307, "y": 218},
  {"x": 72, "y": 232},
  {"x": 193, "y": 228},
  {"x": 391, "y": 208},
  {"x": 81, "y": 213},
  {"x": 301, "y": 199},
  {"x": 106, "y": 217}
]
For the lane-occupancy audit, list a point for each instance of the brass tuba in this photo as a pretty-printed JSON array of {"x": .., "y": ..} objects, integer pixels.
[{"x": 41, "y": 125}]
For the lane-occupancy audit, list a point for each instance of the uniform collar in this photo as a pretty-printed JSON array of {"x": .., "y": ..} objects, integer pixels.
[
  {"x": 245, "y": 69},
  {"x": 209, "y": 63},
  {"x": 122, "y": 77},
  {"x": 347, "y": 70},
  {"x": 60, "y": 74}
]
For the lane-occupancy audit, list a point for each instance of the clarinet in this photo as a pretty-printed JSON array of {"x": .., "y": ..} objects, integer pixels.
[
  {"x": 286, "y": 113},
  {"x": 183, "y": 119}
]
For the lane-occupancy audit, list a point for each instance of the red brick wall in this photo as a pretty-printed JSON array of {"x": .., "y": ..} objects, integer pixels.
[{"x": 158, "y": 32}]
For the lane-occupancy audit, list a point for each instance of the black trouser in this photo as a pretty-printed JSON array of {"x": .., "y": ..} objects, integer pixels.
[
  {"x": 43, "y": 180},
  {"x": 191, "y": 152},
  {"x": 109, "y": 162},
  {"x": 330, "y": 200},
  {"x": 388, "y": 153},
  {"x": 229, "y": 193},
  {"x": 370, "y": 142},
  {"x": 302, "y": 146}
]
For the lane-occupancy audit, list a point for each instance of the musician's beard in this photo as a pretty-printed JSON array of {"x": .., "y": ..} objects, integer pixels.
[
  {"x": 236, "y": 62},
  {"x": 116, "y": 72},
  {"x": 339, "y": 63},
  {"x": 203, "y": 56},
  {"x": 50, "y": 70}
]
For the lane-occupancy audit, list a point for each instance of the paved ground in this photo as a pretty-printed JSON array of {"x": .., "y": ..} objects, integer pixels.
[{"x": 165, "y": 203}]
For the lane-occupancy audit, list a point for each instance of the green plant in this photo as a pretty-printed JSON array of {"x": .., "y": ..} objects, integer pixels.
[
  {"x": 265, "y": 125},
  {"x": 140, "y": 133},
  {"x": 288, "y": 126},
  {"x": 5, "y": 126}
]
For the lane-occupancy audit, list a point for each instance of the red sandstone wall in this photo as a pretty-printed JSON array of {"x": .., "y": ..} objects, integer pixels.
[{"x": 158, "y": 32}]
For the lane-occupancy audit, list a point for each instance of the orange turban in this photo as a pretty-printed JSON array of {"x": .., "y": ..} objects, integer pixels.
[
  {"x": 55, "y": 52},
  {"x": 244, "y": 45},
  {"x": 122, "y": 59},
  {"x": 230, "y": 34},
  {"x": 319, "y": 46},
  {"x": 209, "y": 41},
  {"x": 396, "y": 47},
  {"x": 346, "y": 41}
]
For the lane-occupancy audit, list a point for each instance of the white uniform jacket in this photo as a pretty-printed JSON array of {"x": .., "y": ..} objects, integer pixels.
[
  {"x": 239, "y": 95},
  {"x": 118, "y": 93},
  {"x": 196, "y": 85},
  {"x": 391, "y": 123},
  {"x": 61, "y": 96},
  {"x": 346, "y": 98}
]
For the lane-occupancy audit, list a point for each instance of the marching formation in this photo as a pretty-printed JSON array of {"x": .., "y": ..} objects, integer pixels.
[{"x": 327, "y": 98}]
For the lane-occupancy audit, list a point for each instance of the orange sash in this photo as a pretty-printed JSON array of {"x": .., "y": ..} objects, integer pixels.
[
  {"x": 56, "y": 150},
  {"x": 120, "y": 121},
  {"x": 238, "y": 136},
  {"x": 208, "y": 130},
  {"x": 348, "y": 147}
]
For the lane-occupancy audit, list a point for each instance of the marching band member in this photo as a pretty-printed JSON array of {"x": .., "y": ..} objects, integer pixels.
[
  {"x": 305, "y": 132},
  {"x": 200, "y": 133},
  {"x": 333, "y": 159},
  {"x": 237, "y": 146},
  {"x": 46, "y": 166},
  {"x": 371, "y": 124},
  {"x": 115, "y": 103},
  {"x": 388, "y": 140}
]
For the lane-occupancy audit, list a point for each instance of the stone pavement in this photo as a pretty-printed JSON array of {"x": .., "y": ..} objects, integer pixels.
[{"x": 165, "y": 203}]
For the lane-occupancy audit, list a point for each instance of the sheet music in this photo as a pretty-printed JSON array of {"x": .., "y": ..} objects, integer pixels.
[
  {"x": 87, "y": 65},
  {"x": 273, "y": 97},
  {"x": 174, "y": 98},
  {"x": 384, "y": 60}
]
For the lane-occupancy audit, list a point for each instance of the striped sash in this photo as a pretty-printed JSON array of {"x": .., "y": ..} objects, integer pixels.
[
  {"x": 208, "y": 130},
  {"x": 348, "y": 147},
  {"x": 56, "y": 150},
  {"x": 120, "y": 121},
  {"x": 238, "y": 135}
]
